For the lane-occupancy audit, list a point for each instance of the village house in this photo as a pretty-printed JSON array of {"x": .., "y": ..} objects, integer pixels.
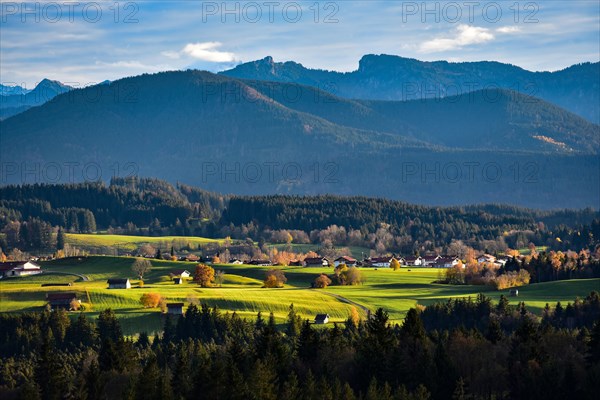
[
  {"x": 178, "y": 281},
  {"x": 445, "y": 262},
  {"x": 175, "y": 308},
  {"x": 236, "y": 261},
  {"x": 189, "y": 257},
  {"x": 119, "y": 284},
  {"x": 381, "y": 262},
  {"x": 295, "y": 263},
  {"x": 349, "y": 261},
  {"x": 321, "y": 319},
  {"x": 19, "y": 268},
  {"x": 501, "y": 261},
  {"x": 62, "y": 300},
  {"x": 428, "y": 261},
  {"x": 486, "y": 258},
  {"x": 316, "y": 262},
  {"x": 260, "y": 263},
  {"x": 413, "y": 261},
  {"x": 182, "y": 273}
]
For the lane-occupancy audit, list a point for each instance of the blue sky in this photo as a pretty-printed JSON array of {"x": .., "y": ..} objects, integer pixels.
[{"x": 74, "y": 42}]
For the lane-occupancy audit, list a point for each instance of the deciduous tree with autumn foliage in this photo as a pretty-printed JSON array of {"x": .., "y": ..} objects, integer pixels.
[{"x": 204, "y": 275}]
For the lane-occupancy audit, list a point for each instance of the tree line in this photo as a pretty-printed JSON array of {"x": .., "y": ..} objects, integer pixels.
[
  {"x": 461, "y": 349},
  {"x": 145, "y": 206}
]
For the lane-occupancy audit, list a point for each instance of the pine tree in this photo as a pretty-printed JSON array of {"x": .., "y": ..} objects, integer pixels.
[
  {"x": 372, "y": 391},
  {"x": 291, "y": 389},
  {"x": 60, "y": 239},
  {"x": 29, "y": 391},
  {"x": 413, "y": 325},
  {"x": 503, "y": 305},
  {"x": 310, "y": 387},
  {"x": 459, "y": 391},
  {"x": 147, "y": 382},
  {"x": 263, "y": 381},
  {"x": 347, "y": 392},
  {"x": 293, "y": 322},
  {"x": 94, "y": 382},
  {"x": 593, "y": 353},
  {"x": 48, "y": 370},
  {"x": 494, "y": 331}
]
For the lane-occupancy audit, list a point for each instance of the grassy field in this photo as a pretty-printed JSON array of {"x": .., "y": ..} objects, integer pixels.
[
  {"x": 395, "y": 291},
  {"x": 357, "y": 252},
  {"x": 130, "y": 243}
]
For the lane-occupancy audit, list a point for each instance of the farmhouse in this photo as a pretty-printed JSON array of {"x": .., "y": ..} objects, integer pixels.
[
  {"x": 189, "y": 257},
  {"x": 19, "y": 268},
  {"x": 295, "y": 263},
  {"x": 514, "y": 292},
  {"x": 413, "y": 261},
  {"x": 381, "y": 262},
  {"x": 445, "y": 262},
  {"x": 119, "y": 284},
  {"x": 236, "y": 261},
  {"x": 182, "y": 273},
  {"x": 316, "y": 262},
  {"x": 175, "y": 308},
  {"x": 486, "y": 258},
  {"x": 321, "y": 319},
  {"x": 501, "y": 261},
  {"x": 178, "y": 281},
  {"x": 428, "y": 261},
  {"x": 349, "y": 261},
  {"x": 62, "y": 300},
  {"x": 260, "y": 263}
]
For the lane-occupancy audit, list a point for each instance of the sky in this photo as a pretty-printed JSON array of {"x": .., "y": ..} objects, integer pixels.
[{"x": 81, "y": 43}]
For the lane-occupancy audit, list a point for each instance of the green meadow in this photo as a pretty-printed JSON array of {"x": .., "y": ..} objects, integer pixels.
[
  {"x": 242, "y": 292},
  {"x": 130, "y": 243}
]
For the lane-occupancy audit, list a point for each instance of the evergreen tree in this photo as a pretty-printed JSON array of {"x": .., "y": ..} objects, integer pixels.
[
  {"x": 294, "y": 322},
  {"x": 60, "y": 239},
  {"x": 459, "y": 391},
  {"x": 94, "y": 382}
]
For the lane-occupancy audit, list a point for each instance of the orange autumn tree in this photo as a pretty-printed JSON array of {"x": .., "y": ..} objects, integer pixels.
[
  {"x": 322, "y": 281},
  {"x": 150, "y": 300},
  {"x": 204, "y": 275},
  {"x": 275, "y": 278}
]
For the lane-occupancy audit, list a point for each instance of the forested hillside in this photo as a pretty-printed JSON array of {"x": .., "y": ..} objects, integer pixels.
[
  {"x": 462, "y": 349},
  {"x": 29, "y": 214},
  {"x": 250, "y": 137}
]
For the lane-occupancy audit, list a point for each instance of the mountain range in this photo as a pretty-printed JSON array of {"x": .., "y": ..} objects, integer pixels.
[
  {"x": 256, "y": 137},
  {"x": 7, "y": 90},
  {"x": 387, "y": 77},
  {"x": 15, "y": 99}
]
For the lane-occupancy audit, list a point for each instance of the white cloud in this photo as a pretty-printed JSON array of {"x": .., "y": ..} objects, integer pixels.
[
  {"x": 207, "y": 51},
  {"x": 463, "y": 35},
  {"x": 171, "y": 54},
  {"x": 509, "y": 29}
]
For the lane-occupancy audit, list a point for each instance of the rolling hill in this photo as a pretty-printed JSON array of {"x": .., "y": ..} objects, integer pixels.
[{"x": 253, "y": 137}]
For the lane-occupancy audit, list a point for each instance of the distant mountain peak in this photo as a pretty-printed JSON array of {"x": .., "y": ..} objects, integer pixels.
[{"x": 57, "y": 86}]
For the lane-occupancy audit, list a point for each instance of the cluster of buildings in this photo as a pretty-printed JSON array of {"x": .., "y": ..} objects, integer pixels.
[
  {"x": 429, "y": 261},
  {"x": 435, "y": 261}
]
